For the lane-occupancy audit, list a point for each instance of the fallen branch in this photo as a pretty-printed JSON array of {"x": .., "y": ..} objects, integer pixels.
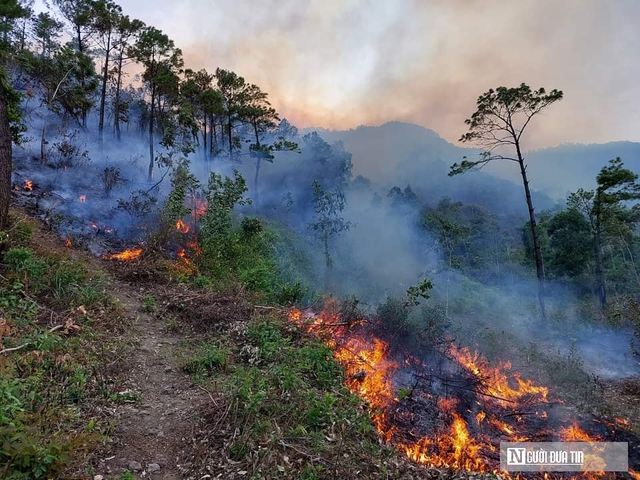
[
  {"x": 14, "y": 349},
  {"x": 7, "y": 350}
]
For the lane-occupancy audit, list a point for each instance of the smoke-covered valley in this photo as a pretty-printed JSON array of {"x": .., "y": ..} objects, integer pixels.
[{"x": 386, "y": 250}]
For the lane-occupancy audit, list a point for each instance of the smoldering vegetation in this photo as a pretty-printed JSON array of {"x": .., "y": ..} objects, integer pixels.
[{"x": 98, "y": 194}]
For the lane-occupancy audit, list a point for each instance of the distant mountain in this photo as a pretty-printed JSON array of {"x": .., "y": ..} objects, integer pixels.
[
  {"x": 402, "y": 153},
  {"x": 399, "y": 152},
  {"x": 566, "y": 168}
]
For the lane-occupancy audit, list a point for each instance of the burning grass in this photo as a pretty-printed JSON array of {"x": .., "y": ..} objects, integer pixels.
[
  {"x": 126, "y": 255},
  {"x": 279, "y": 410},
  {"x": 449, "y": 408}
]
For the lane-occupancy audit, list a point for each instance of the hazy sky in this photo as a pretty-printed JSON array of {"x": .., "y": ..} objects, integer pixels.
[{"x": 342, "y": 63}]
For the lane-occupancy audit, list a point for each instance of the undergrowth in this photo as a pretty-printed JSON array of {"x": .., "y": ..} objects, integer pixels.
[
  {"x": 286, "y": 412},
  {"x": 56, "y": 347}
]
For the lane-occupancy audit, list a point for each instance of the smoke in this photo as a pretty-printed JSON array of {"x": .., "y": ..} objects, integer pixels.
[
  {"x": 342, "y": 64},
  {"x": 339, "y": 64}
]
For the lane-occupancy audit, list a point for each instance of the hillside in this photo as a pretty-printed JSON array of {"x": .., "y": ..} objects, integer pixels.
[{"x": 404, "y": 152}]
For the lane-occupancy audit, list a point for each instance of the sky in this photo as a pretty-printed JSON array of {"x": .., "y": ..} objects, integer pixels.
[{"x": 343, "y": 63}]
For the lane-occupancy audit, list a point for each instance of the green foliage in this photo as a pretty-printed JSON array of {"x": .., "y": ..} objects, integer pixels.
[
  {"x": 570, "y": 244},
  {"x": 64, "y": 281},
  {"x": 149, "y": 303},
  {"x": 65, "y": 153},
  {"x": 140, "y": 204},
  {"x": 329, "y": 222},
  {"x": 292, "y": 392},
  {"x": 206, "y": 359},
  {"x": 290, "y": 294},
  {"x": 251, "y": 227},
  {"x": 419, "y": 291},
  {"x": 46, "y": 384},
  {"x": 183, "y": 182},
  {"x": 393, "y": 315},
  {"x": 111, "y": 177},
  {"x": 500, "y": 119}
]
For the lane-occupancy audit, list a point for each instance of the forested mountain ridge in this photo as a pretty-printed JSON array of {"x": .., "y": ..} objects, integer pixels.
[{"x": 402, "y": 150}]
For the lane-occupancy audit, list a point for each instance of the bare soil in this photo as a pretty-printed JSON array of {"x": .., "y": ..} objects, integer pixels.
[{"x": 158, "y": 429}]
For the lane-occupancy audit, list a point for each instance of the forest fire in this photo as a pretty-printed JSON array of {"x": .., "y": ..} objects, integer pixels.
[
  {"x": 28, "y": 185},
  {"x": 182, "y": 227},
  {"x": 68, "y": 242},
  {"x": 82, "y": 198},
  {"x": 182, "y": 255},
  {"x": 199, "y": 208},
  {"x": 126, "y": 255},
  {"x": 450, "y": 411}
]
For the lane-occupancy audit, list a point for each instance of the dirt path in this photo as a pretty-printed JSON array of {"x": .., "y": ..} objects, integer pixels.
[{"x": 152, "y": 436}]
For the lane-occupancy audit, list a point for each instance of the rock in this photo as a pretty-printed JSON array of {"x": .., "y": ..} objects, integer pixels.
[
  {"x": 135, "y": 466},
  {"x": 98, "y": 477},
  {"x": 153, "y": 467}
]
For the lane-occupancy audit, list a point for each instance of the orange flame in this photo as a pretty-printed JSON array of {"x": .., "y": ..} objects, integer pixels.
[
  {"x": 634, "y": 475},
  {"x": 370, "y": 371},
  {"x": 496, "y": 379},
  {"x": 68, "y": 242},
  {"x": 575, "y": 434},
  {"x": 182, "y": 255},
  {"x": 199, "y": 208},
  {"x": 28, "y": 184},
  {"x": 195, "y": 247},
  {"x": 82, "y": 198},
  {"x": 125, "y": 256},
  {"x": 182, "y": 227}
]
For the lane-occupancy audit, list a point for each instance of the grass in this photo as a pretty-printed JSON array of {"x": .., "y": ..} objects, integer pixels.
[
  {"x": 50, "y": 386},
  {"x": 281, "y": 400}
]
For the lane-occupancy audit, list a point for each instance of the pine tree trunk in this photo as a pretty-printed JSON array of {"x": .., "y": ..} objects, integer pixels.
[
  {"x": 5, "y": 159},
  {"x": 82, "y": 78},
  {"x": 229, "y": 127},
  {"x": 213, "y": 136},
  {"x": 204, "y": 136},
  {"x": 255, "y": 180},
  {"x": 600, "y": 281},
  {"x": 116, "y": 121},
  {"x": 534, "y": 234},
  {"x": 151, "y": 115},
  {"x": 103, "y": 96}
]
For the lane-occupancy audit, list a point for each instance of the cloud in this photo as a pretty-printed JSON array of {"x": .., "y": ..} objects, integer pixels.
[{"x": 338, "y": 63}]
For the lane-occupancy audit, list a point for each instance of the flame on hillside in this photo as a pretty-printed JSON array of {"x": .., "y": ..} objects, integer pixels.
[
  {"x": 182, "y": 227},
  {"x": 500, "y": 405},
  {"x": 126, "y": 255},
  {"x": 68, "y": 242},
  {"x": 28, "y": 185},
  {"x": 82, "y": 198},
  {"x": 199, "y": 208}
]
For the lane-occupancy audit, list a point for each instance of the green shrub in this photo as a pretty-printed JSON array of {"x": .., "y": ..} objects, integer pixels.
[
  {"x": 206, "y": 359},
  {"x": 290, "y": 294},
  {"x": 251, "y": 227}
]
